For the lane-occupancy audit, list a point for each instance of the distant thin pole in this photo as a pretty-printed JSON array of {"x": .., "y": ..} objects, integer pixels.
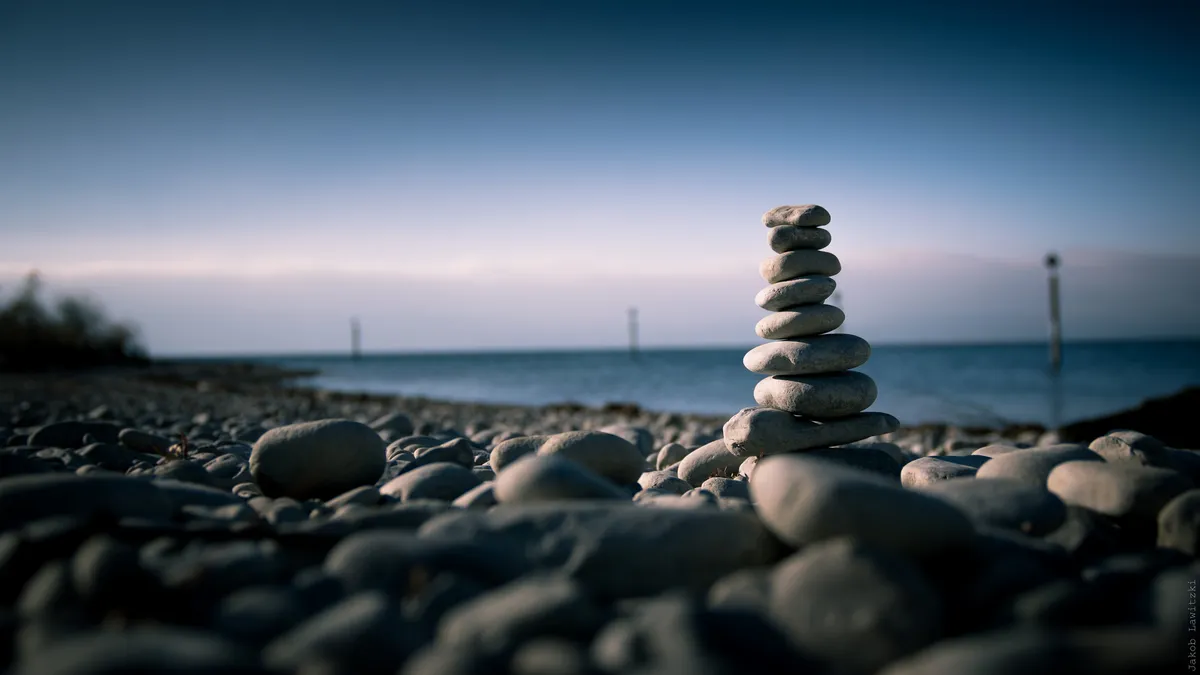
[
  {"x": 633, "y": 332},
  {"x": 1055, "y": 318},
  {"x": 355, "y": 339}
]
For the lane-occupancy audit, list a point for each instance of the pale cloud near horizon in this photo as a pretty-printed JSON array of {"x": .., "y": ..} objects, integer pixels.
[{"x": 890, "y": 296}]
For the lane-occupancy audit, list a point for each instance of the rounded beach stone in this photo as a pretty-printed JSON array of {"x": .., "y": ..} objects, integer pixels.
[
  {"x": 928, "y": 470},
  {"x": 24, "y": 499},
  {"x": 1179, "y": 523},
  {"x": 1002, "y": 502},
  {"x": 395, "y": 424},
  {"x": 820, "y": 396},
  {"x": 640, "y": 437},
  {"x": 793, "y": 264},
  {"x": 996, "y": 449},
  {"x": 746, "y": 468},
  {"x": 482, "y": 496},
  {"x": 364, "y": 633},
  {"x": 727, "y": 487},
  {"x": 1130, "y": 446},
  {"x": 536, "y": 606},
  {"x": 663, "y": 480},
  {"x": 804, "y": 500},
  {"x": 800, "y": 291},
  {"x": 669, "y": 454},
  {"x": 803, "y": 215},
  {"x": 801, "y": 321},
  {"x": 507, "y": 452},
  {"x": 784, "y": 238},
  {"x": 854, "y": 607},
  {"x": 1033, "y": 465},
  {"x": 543, "y": 478},
  {"x": 707, "y": 461},
  {"x": 598, "y": 543},
  {"x": 442, "y": 481},
  {"x": 860, "y": 457},
  {"x": 808, "y": 356},
  {"x": 752, "y": 432},
  {"x": 1118, "y": 490},
  {"x": 141, "y": 650},
  {"x": 317, "y": 460},
  {"x": 610, "y": 456},
  {"x": 140, "y": 441},
  {"x": 1035, "y": 650}
]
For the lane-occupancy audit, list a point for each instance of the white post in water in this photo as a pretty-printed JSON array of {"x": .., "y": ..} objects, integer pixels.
[
  {"x": 1055, "y": 320},
  {"x": 355, "y": 339},
  {"x": 633, "y": 332}
]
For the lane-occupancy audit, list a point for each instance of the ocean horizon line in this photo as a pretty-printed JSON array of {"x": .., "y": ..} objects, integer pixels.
[{"x": 611, "y": 349}]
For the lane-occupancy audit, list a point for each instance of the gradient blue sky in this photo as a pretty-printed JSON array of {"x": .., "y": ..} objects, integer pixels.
[{"x": 243, "y": 177}]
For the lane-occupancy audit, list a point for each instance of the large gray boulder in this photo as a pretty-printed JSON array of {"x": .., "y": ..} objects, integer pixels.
[{"x": 317, "y": 460}]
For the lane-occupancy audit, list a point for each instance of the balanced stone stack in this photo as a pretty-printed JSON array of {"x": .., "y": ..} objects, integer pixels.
[{"x": 811, "y": 398}]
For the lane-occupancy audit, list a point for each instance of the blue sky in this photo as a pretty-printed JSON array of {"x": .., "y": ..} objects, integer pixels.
[{"x": 245, "y": 176}]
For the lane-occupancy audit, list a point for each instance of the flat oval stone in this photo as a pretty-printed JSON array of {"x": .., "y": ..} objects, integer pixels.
[
  {"x": 996, "y": 449},
  {"x": 819, "y": 396},
  {"x": 804, "y": 500},
  {"x": 706, "y": 461},
  {"x": 1033, "y": 465},
  {"x": 542, "y": 478},
  {"x": 610, "y": 456},
  {"x": 800, "y": 291},
  {"x": 808, "y": 356},
  {"x": 753, "y": 432},
  {"x": 1002, "y": 502},
  {"x": 663, "y": 480},
  {"x": 442, "y": 481},
  {"x": 317, "y": 460},
  {"x": 784, "y": 238},
  {"x": 803, "y": 215},
  {"x": 928, "y": 470},
  {"x": 801, "y": 321},
  {"x": 1119, "y": 490},
  {"x": 669, "y": 454},
  {"x": 1130, "y": 446},
  {"x": 506, "y": 452},
  {"x": 793, "y": 264}
]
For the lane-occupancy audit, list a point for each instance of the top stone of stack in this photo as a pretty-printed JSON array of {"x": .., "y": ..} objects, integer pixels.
[{"x": 804, "y": 215}]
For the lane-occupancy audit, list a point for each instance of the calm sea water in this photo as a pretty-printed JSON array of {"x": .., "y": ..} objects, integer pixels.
[{"x": 963, "y": 384}]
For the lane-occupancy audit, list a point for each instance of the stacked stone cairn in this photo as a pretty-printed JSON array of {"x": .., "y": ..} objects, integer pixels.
[{"x": 811, "y": 398}]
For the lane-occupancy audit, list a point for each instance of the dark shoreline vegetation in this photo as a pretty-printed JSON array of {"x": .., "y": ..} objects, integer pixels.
[{"x": 74, "y": 334}]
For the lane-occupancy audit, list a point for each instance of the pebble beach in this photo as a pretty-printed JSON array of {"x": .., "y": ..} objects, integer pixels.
[{"x": 216, "y": 518}]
